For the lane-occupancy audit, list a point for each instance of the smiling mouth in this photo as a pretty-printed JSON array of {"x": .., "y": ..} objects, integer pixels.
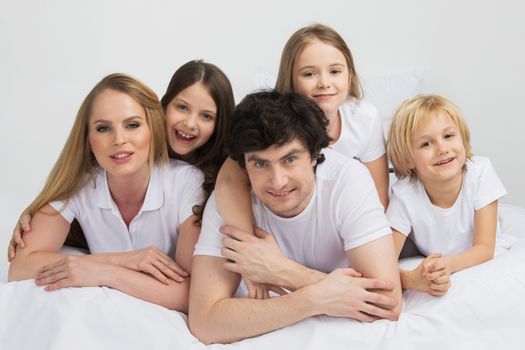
[
  {"x": 280, "y": 194},
  {"x": 121, "y": 155},
  {"x": 183, "y": 136},
  {"x": 445, "y": 161},
  {"x": 324, "y": 96}
]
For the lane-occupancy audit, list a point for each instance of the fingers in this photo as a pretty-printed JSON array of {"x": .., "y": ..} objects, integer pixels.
[
  {"x": 234, "y": 233},
  {"x": 370, "y": 283},
  {"x": 351, "y": 272},
  {"x": 11, "y": 250},
  {"x": 259, "y": 232},
  {"x": 25, "y": 219},
  {"x": 376, "y": 311},
  {"x": 363, "y": 317},
  {"x": 379, "y": 299},
  {"x": 233, "y": 267},
  {"x": 229, "y": 254},
  {"x": 231, "y": 243}
]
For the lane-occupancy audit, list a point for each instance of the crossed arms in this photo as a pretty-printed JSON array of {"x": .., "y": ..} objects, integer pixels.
[{"x": 216, "y": 316}]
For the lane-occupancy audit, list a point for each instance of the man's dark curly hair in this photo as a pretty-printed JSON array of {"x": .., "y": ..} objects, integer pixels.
[{"x": 269, "y": 118}]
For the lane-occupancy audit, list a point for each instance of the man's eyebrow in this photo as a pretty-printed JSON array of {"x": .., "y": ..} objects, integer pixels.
[
  {"x": 293, "y": 152},
  {"x": 254, "y": 158}
]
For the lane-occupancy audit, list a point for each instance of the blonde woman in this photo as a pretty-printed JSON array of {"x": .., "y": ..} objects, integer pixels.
[{"x": 134, "y": 207}]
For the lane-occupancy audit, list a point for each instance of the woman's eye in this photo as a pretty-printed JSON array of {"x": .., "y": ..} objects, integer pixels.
[
  {"x": 102, "y": 128},
  {"x": 133, "y": 125}
]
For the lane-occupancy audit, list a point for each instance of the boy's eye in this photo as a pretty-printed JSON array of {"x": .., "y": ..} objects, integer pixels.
[
  {"x": 102, "y": 128},
  {"x": 449, "y": 135}
]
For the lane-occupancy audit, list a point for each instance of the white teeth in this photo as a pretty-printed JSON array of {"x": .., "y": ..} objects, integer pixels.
[
  {"x": 120, "y": 155},
  {"x": 444, "y": 161},
  {"x": 280, "y": 193},
  {"x": 186, "y": 136}
]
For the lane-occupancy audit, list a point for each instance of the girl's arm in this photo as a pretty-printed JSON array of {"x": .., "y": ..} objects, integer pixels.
[
  {"x": 188, "y": 236},
  {"x": 379, "y": 170},
  {"x": 232, "y": 193}
]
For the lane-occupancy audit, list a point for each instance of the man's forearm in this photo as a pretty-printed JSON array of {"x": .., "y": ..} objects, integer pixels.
[
  {"x": 250, "y": 317},
  {"x": 296, "y": 276}
]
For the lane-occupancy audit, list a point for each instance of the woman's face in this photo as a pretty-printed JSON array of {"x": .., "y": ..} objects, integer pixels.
[
  {"x": 190, "y": 119},
  {"x": 118, "y": 133}
]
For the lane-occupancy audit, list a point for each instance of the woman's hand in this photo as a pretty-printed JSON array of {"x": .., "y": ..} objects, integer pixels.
[
  {"x": 153, "y": 261},
  {"x": 72, "y": 271},
  {"x": 21, "y": 227}
]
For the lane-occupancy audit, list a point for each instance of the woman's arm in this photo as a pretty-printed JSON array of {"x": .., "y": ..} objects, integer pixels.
[
  {"x": 379, "y": 170},
  {"x": 232, "y": 193},
  {"x": 47, "y": 235}
]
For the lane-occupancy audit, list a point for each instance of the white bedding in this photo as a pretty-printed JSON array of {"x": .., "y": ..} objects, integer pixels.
[{"x": 483, "y": 310}]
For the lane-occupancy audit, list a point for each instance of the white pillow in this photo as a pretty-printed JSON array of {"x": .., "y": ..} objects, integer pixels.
[
  {"x": 385, "y": 92},
  {"x": 389, "y": 91}
]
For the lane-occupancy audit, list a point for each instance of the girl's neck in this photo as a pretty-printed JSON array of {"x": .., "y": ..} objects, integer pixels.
[{"x": 444, "y": 194}]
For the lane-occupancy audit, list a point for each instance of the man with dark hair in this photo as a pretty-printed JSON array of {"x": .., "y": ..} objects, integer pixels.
[{"x": 324, "y": 215}]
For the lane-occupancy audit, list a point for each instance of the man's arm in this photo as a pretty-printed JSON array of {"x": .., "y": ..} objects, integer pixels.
[
  {"x": 216, "y": 317},
  {"x": 377, "y": 259}
]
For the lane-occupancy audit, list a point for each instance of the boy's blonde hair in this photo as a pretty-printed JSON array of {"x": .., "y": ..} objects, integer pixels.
[
  {"x": 409, "y": 119},
  {"x": 296, "y": 45},
  {"x": 76, "y": 160}
]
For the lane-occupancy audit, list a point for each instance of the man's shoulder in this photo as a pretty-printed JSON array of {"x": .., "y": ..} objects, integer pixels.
[{"x": 337, "y": 165}]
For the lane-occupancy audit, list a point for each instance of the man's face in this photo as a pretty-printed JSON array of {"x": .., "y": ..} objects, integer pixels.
[{"x": 282, "y": 177}]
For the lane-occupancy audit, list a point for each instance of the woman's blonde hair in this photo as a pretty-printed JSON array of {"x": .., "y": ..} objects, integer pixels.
[
  {"x": 76, "y": 160},
  {"x": 409, "y": 119},
  {"x": 296, "y": 45}
]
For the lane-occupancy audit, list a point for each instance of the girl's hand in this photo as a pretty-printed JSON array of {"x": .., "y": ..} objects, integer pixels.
[
  {"x": 21, "y": 227},
  {"x": 72, "y": 271},
  {"x": 153, "y": 261},
  {"x": 437, "y": 271}
]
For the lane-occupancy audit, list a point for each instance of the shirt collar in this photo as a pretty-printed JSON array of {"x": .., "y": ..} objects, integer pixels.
[{"x": 154, "y": 194}]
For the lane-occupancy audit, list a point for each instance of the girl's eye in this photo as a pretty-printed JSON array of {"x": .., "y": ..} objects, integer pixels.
[
  {"x": 182, "y": 107},
  {"x": 207, "y": 117},
  {"x": 308, "y": 74},
  {"x": 449, "y": 135},
  {"x": 102, "y": 128},
  {"x": 425, "y": 144},
  {"x": 335, "y": 71}
]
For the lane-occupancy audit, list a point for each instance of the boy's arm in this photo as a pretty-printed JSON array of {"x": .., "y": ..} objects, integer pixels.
[
  {"x": 379, "y": 170},
  {"x": 482, "y": 250}
]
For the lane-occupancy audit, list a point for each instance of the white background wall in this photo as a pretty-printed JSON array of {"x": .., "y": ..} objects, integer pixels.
[{"x": 53, "y": 52}]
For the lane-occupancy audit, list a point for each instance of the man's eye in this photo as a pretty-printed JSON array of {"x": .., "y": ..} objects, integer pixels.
[
  {"x": 259, "y": 164},
  {"x": 290, "y": 159}
]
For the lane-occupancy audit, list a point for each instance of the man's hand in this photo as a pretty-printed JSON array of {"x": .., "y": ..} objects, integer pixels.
[
  {"x": 344, "y": 293},
  {"x": 257, "y": 258}
]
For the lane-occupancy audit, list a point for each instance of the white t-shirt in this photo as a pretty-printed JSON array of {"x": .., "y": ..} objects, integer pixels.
[
  {"x": 450, "y": 230},
  {"x": 172, "y": 192},
  {"x": 344, "y": 213},
  {"x": 361, "y": 132}
]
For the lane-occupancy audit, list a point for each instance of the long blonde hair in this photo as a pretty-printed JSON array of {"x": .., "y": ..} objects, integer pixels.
[
  {"x": 76, "y": 162},
  {"x": 296, "y": 45}
]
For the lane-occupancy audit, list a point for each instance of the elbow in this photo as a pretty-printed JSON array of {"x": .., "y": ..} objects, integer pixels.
[
  {"x": 17, "y": 271},
  {"x": 200, "y": 329}
]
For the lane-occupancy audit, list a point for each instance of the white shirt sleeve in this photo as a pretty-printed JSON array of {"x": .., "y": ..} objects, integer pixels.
[
  {"x": 192, "y": 193},
  {"x": 210, "y": 239},
  {"x": 376, "y": 142},
  {"x": 398, "y": 216},
  {"x": 490, "y": 187},
  {"x": 358, "y": 207},
  {"x": 66, "y": 209}
]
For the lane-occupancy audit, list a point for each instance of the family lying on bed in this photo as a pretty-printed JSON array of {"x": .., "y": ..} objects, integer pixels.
[{"x": 299, "y": 199}]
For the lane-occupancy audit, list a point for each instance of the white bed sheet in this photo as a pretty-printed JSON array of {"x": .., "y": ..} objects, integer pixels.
[{"x": 484, "y": 309}]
